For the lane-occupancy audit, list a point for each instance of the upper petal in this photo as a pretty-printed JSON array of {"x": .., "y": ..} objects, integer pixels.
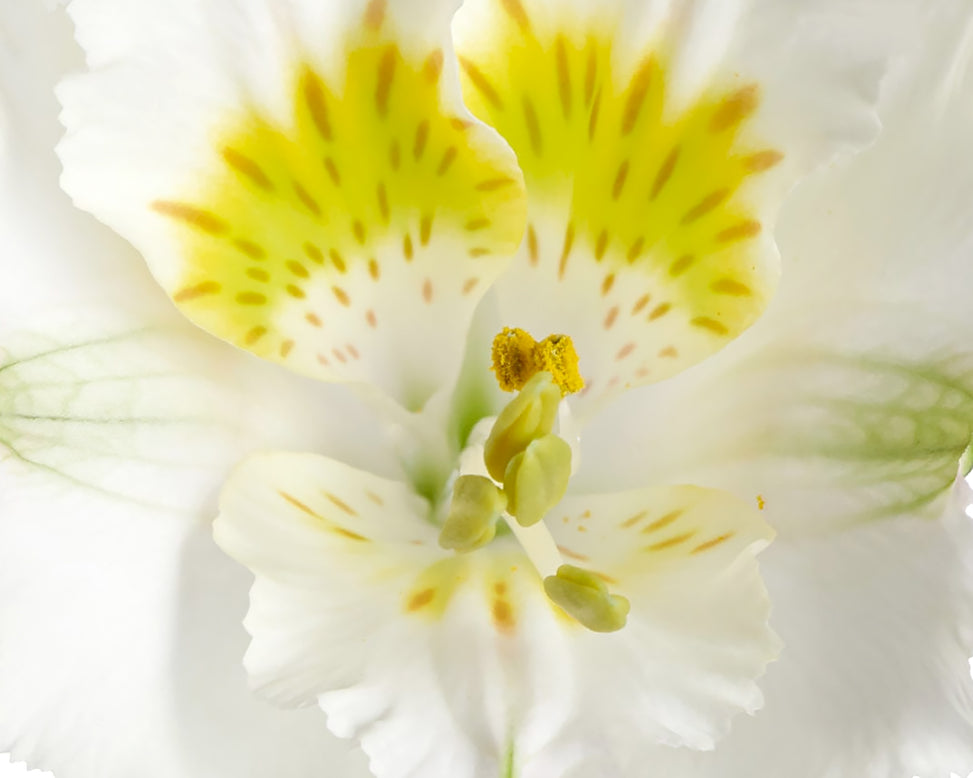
[
  {"x": 658, "y": 140},
  {"x": 302, "y": 178}
]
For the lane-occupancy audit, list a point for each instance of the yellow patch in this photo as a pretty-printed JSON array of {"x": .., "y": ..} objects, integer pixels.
[
  {"x": 433, "y": 589},
  {"x": 297, "y": 223}
]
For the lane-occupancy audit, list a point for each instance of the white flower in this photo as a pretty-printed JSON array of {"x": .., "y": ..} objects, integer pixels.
[{"x": 330, "y": 187}]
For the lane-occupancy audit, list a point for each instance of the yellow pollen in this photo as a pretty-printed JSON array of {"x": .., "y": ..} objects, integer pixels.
[{"x": 517, "y": 358}]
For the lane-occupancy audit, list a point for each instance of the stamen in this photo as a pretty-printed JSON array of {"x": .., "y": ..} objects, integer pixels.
[
  {"x": 533, "y": 465},
  {"x": 476, "y": 507},
  {"x": 529, "y": 416},
  {"x": 537, "y": 478},
  {"x": 517, "y": 358},
  {"x": 585, "y": 597}
]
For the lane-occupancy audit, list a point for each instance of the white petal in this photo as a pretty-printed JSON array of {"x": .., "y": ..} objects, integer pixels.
[
  {"x": 121, "y": 640},
  {"x": 302, "y": 177},
  {"x": 658, "y": 141},
  {"x": 853, "y": 398},
  {"x": 446, "y": 664},
  {"x": 875, "y": 678}
]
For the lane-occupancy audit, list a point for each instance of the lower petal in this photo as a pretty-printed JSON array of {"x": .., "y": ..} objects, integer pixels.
[{"x": 459, "y": 664}]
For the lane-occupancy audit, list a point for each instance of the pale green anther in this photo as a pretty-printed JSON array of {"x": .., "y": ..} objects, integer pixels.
[
  {"x": 530, "y": 415},
  {"x": 473, "y": 514},
  {"x": 537, "y": 478},
  {"x": 585, "y": 597}
]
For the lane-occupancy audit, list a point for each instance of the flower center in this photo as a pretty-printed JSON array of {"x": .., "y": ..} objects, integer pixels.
[{"x": 529, "y": 467}]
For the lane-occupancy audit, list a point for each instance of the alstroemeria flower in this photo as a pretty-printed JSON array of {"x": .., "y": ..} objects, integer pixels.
[{"x": 470, "y": 582}]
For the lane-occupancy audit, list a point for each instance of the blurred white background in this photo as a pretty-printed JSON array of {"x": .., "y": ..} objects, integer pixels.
[{"x": 8, "y": 770}]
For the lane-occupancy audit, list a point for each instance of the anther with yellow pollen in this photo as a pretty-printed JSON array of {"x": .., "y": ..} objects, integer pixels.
[
  {"x": 529, "y": 467},
  {"x": 517, "y": 357}
]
